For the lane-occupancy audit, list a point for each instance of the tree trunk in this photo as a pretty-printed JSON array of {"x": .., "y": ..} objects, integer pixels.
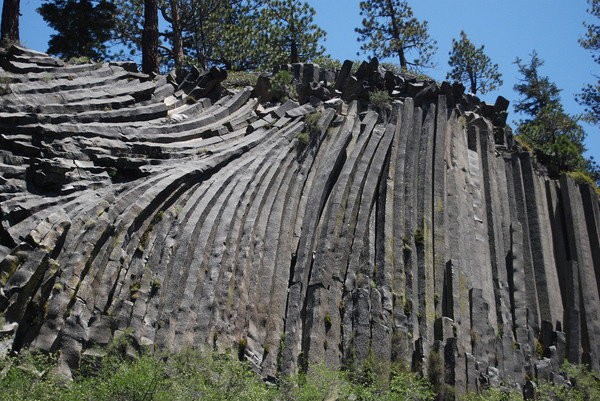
[
  {"x": 294, "y": 44},
  {"x": 402, "y": 58},
  {"x": 294, "y": 53},
  {"x": 10, "y": 22},
  {"x": 396, "y": 33},
  {"x": 150, "y": 37},
  {"x": 177, "y": 41},
  {"x": 472, "y": 80}
]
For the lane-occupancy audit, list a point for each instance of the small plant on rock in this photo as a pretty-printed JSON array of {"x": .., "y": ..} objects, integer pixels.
[
  {"x": 303, "y": 138},
  {"x": 79, "y": 60},
  {"x": 312, "y": 122},
  {"x": 134, "y": 290},
  {"x": 283, "y": 86},
  {"x": 327, "y": 322},
  {"x": 240, "y": 79},
  {"x": 242, "y": 345},
  {"x": 380, "y": 99},
  {"x": 154, "y": 287},
  {"x": 419, "y": 236}
]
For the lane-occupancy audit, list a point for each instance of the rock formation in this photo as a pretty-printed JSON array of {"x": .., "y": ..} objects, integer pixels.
[{"x": 332, "y": 230}]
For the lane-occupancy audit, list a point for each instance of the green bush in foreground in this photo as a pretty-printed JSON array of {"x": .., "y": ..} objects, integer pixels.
[{"x": 191, "y": 375}]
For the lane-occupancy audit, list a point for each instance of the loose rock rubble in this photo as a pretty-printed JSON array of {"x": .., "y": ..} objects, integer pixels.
[{"x": 325, "y": 230}]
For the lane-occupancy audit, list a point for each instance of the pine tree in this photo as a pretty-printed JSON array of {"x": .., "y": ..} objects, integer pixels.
[
  {"x": 82, "y": 27},
  {"x": 590, "y": 95},
  {"x": 471, "y": 66},
  {"x": 174, "y": 18},
  {"x": 226, "y": 33},
  {"x": 201, "y": 32},
  {"x": 537, "y": 90},
  {"x": 150, "y": 62},
  {"x": 555, "y": 137},
  {"x": 389, "y": 29},
  {"x": 9, "y": 30},
  {"x": 129, "y": 24},
  {"x": 292, "y": 35}
]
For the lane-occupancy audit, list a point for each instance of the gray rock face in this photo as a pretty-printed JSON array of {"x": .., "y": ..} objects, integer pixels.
[{"x": 189, "y": 216}]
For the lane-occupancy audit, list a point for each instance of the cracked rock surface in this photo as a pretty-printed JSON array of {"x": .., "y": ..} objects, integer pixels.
[{"x": 187, "y": 215}]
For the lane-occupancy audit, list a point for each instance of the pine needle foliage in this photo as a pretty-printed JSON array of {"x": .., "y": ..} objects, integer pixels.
[
  {"x": 590, "y": 94},
  {"x": 292, "y": 34},
  {"x": 555, "y": 137},
  {"x": 390, "y": 29},
  {"x": 471, "y": 66},
  {"x": 83, "y": 27}
]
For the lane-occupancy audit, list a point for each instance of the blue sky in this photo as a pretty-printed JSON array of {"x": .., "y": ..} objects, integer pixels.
[{"x": 507, "y": 28}]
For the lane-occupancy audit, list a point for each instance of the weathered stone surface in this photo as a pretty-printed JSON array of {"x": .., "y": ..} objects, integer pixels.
[{"x": 190, "y": 216}]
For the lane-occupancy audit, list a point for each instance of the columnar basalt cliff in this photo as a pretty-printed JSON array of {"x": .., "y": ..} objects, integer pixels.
[{"x": 328, "y": 230}]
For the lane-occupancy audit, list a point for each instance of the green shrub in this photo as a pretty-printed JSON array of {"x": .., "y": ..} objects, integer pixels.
[
  {"x": 134, "y": 290},
  {"x": 303, "y": 138},
  {"x": 328, "y": 63},
  {"x": 242, "y": 345},
  {"x": 28, "y": 376},
  {"x": 380, "y": 99},
  {"x": 327, "y": 322},
  {"x": 493, "y": 394},
  {"x": 240, "y": 79},
  {"x": 319, "y": 383},
  {"x": 283, "y": 87},
  {"x": 522, "y": 141},
  {"x": 395, "y": 68},
  {"x": 585, "y": 385},
  {"x": 139, "y": 380},
  {"x": 192, "y": 375},
  {"x": 583, "y": 178},
  {"x": 197, "y": 376},
  {"x": 405, "y": 385},
  {"x": 311, "y": 122},
  {"x": 154, "y": 287},
  {"x": 79, "y": 60}
]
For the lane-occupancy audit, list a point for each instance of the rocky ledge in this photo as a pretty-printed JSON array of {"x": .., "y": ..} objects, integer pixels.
[{"x": 335, "y": 229}]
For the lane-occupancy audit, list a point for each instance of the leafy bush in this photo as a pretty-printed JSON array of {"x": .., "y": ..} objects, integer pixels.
[
  {"x": 395, "y": 68},
  {"x": 303, "y": 138},
  {"x": 493, "y": 394},
  {"x": 406, "y": 386},
  {"x": 79, "y": 60},
  {"x": 191, "y": 375},
  {"x": 405, "y": 72},
  {"x": 28, "y": 377},
  {"x": 311, "y": 128},
  {"x": 312, "y": 123},
  {"x": 380, "y": 99},
  {"x": 283, "y": 86},
  {"x": 328, "y": 63},
  {"x": 582, "y": 178},
  {"x": 585, "y": 385},
  {"x": 240, "y": 79}
]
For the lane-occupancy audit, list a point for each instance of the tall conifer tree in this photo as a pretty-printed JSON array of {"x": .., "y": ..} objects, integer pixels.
[
  {"x": 390, "y": 29},
  {"x": 83, "y": 27},
  {"x": 292, "y": 35},
  {"x": 590, "y": 95},
  {"x": 555, "y": 137},
  {"x": 471, "y": 66}
]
